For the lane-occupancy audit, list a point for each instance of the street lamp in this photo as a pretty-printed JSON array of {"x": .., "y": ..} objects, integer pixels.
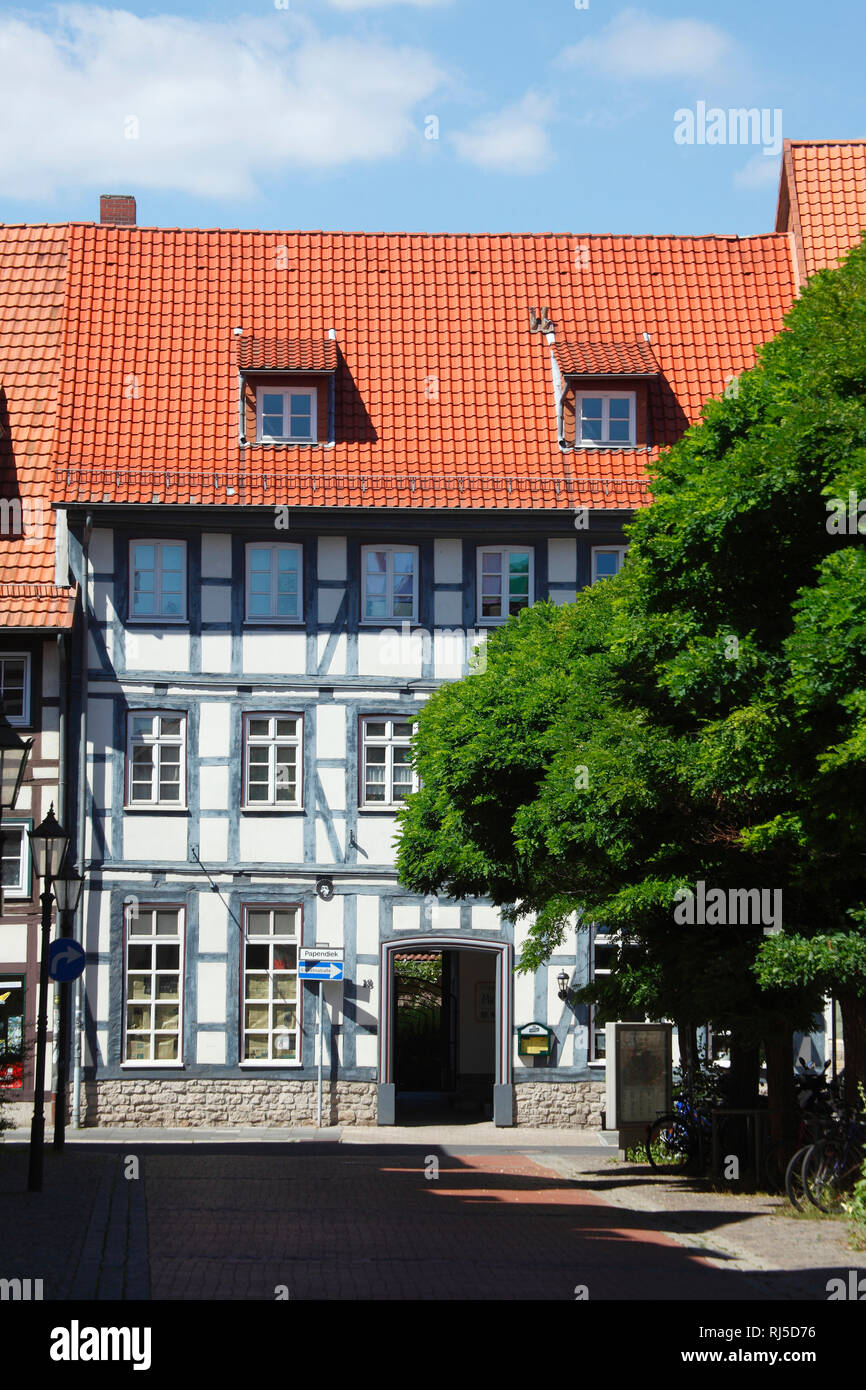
[
  {"x": 48, "y": 844},
  {"x": 67, "y": 891},
  {"x": 562, "y": 981}
]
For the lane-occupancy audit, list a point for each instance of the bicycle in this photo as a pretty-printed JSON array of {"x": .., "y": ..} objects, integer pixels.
[
  {"x": 832, "y": 1166},
  {"x": 677, "y": 1142}
]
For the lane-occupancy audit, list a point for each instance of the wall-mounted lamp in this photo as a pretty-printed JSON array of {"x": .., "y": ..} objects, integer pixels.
[{"x": 562, "y": 981}]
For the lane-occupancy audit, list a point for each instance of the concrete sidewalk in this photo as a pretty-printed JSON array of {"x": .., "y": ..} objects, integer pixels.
[{"x": 466, "y": 1138}]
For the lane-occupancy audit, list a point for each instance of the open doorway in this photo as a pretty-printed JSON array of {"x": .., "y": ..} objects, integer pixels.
[{"x": 444, "y": 1035}]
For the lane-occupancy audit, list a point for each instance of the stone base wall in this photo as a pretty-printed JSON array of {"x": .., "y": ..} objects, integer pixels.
[
  {"x": 565, "y": 1104},
  {"x": 201, "y": 1103}
]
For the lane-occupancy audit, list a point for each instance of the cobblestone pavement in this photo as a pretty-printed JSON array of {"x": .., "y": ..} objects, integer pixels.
[{"x": 348, "y": 1221}]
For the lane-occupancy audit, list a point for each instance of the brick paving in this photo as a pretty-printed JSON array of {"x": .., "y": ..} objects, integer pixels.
[{"x": 327, "y": 1220}]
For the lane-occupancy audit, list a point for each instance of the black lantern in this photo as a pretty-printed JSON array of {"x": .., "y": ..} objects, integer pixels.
[
  {"x": 67, "y": 889},
  {"x": 48, "y": 842},
  {"x": 562, "y": 981},
  {"x": 14, "y": 752}
]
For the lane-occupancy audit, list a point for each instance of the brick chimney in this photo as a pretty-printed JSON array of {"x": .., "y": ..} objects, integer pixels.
[{"x": 117, "y": 209}]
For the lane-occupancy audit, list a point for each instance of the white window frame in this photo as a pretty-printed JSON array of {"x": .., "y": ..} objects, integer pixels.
[
  {"x": 272, "y": 1032},
  {"x": 506, "y": 551},
  {"x": 271, "y": 741},
  {"x": 389, "y": 740},
  {"x": 606, "y": 397},
  {"x": 157, "y": 616},
  {"x": 22, "y": 719},
  {"x": 390, "y": 551},
  {"x": 22, "y": 888},
  {"x": 273, "y": 616},
  {"x": 597, "y": 550},
  {"x": 158, "y": 740},
  {"x": 287, "y": 392},
  {"x": 599, "y": 936},
  {"x": 132, "y": 914}
]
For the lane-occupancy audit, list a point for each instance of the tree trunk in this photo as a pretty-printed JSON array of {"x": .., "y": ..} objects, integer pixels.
[
  {"x": 853, "y": 1008},
  {"x": 741, "y": 1091},
  {"x": 780, "y": 1084},
  {"x": 687, "y": 1036}
]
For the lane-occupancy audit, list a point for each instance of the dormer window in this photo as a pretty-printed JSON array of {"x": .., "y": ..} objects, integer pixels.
[
  {"x": 605, "y": 419},
  {"x": 286, "y": 415}
]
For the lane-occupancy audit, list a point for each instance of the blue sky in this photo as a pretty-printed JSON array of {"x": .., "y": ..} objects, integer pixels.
[{"x": 420, "y": 115}]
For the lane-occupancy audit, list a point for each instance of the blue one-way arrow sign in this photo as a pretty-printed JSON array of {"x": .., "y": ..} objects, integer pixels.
[
  {"x": 66, "y": 960},
  {"x": 320, "y": 969}
]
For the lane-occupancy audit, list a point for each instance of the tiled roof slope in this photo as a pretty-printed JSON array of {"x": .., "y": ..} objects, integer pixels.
[
  {"x": 32, "y": 276},
  {"x": 822, "y": 199},
  {"x": 291, "y": 355},
  {"x": 606, "y": 359},
  {"x": 443, "y": 396}
]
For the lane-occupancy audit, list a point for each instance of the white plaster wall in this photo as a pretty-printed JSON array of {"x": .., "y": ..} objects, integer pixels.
[
  {"x": 212, "y": 923},
  {"x": 214, "y": 786},
  {"x": 266, "y": 653},
  {"x": 329, "y": 601},
  {"x": 329, "y": 921},
  {"x": 393, "y": 651},
  {"x": 562, "y": 596},
  {"x": 211, "y": 992},
  {"x": 100, "y": 724},
  {"x": 101, "y": 782},
  {"x": 50, "y": 673},
  {"x": 216, "y": 557},
  {"x": 102, "y": 600},
  {"x": 562, "y": 560},
  {"x": 278, "y": 838},
  {"x": 214, "y": 726},
  {"x": 216, "y": 652},
  {"x": 157, "y": 651},
  {"x": 407, "y": 917},
  {"x": 213, "y": 840},
  {"x": 524, "y": 993},
  {"x": 332, "y": 557},
  {"x": 210, "y": 1048},
  {"x": 367, "y": 930},
  {"x": 324, "y": 847},
  {"x": 101, "y": 550},
  {"x": 13, "y": 941},
  {"x": 447, "y": 562},
  {"x": 154, "y": 836},
  {"x": 216, "y": 604},
  {"x": 366, "y": 1050},
  {"x": 331, "y": 731},
  {"x": 333, "y": 784},
  {"x": 485, "y": 917},
  {"x": 336, "y": 665},
  {"x": 448, "y": 608},
  {"x": 375, "y": 835},
  {"x": 444, "y": 916}
]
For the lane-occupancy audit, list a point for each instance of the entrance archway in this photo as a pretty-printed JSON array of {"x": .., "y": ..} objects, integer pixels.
[{"x": 440, "y": 945}]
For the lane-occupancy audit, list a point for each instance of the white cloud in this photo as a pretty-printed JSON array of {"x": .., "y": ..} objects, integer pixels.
[
  {"x": 760, "y": 172},
  {"x": 513, "y": 141},
  {"x": 637, "y": 44},
  {"x": 222, "y": 108}
]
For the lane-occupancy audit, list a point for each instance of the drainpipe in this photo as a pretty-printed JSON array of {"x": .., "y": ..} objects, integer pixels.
[
  {"x": 82, "y": 816},
  {"x": 63, "y": 810}
]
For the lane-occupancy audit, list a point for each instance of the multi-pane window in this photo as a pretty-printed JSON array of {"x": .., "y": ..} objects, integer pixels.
[
  {"x": 273, "y": 760},
  {"x": 158, "y": 570},
  {"x": 286, "y": 417},
  {"x": 387, "y": 776},
  {"x": 607, "y": 561},
  {"x": 156, "y": 759},
  {"x": 152, "y": 994},
  {"x": 606, "y": 419},
  {"x": 274, "y": 582},
  {"x": 271, "y": 1004},
  {"x": 14, "y": 850},
  {"x": 504, "y": 582},
  {"x": 15, "y": 688},
  {"x": 389, "y": 581},
  {"x": 11, "y": 1032},
  {"x": 603, "y": 947}
]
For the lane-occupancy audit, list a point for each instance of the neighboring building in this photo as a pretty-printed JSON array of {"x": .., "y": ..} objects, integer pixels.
[
  {"x": 300, "y": 476},
  {"x": 36, "y": 613}
]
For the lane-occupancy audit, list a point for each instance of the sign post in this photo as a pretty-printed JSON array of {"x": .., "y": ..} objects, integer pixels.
[{"x": 320, "y": 963}]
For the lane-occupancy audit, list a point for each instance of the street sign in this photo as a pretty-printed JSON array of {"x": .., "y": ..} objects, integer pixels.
[
  {"x": 66, "y": 960},
  {"x": 320, "y": 969},
  {"x": 321, "y": 953}
]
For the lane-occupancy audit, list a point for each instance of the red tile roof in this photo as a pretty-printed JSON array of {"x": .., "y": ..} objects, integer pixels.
[
  {"x": 289, "y": 355},
  {"x": 443, "y": 397},
  {"x": 606, "y": 359},
  {"x": 822, "y": 199},
  {"x": 33, "y": 264}
]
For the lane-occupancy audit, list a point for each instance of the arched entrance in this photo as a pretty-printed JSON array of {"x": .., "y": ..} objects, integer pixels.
[{"x": 499, "y": 962}]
